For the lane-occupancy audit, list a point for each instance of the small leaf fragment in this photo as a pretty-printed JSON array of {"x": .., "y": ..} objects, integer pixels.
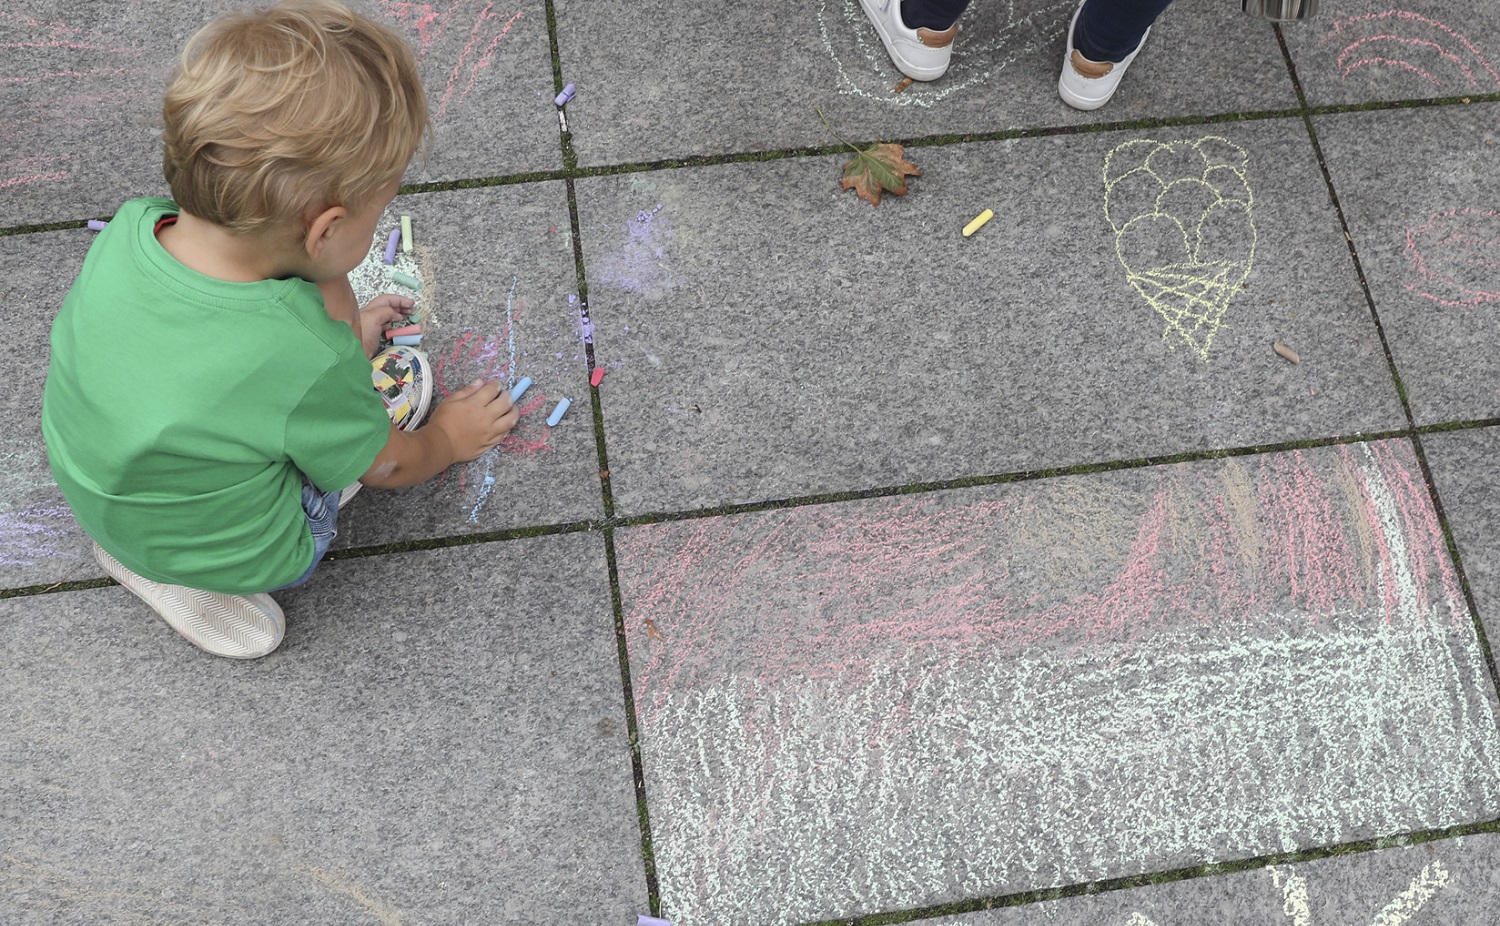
[{"x": 880, "y": 168}]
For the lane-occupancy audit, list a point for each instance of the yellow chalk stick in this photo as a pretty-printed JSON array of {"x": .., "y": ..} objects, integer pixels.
[
  {"x": 406, "y": 234},
  {"x": 979, "y": 220}
]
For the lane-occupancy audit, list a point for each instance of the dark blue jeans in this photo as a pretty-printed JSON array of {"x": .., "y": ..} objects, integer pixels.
[{"x": 1108, "y": 30}]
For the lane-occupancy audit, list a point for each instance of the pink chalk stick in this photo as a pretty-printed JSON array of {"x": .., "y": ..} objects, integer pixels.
[
  {"x": 402, "y": 332},
  {"x": 597, "y": 376}
]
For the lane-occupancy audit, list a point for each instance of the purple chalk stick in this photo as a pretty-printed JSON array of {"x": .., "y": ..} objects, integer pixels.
[
  {"x": 565, "y": 96},
  {"x": 96, "y": 225},
  {"x": 390, "y": 245},
  {"x": 643, "y": 920}
]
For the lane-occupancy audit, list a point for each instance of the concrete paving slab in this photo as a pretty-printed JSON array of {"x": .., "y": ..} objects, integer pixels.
[
  {"x": 1450, "y": 882},
  {"x": 39, "y": 541},
  {"x": 419, "y": 750},
  {"x": 769, "y": 336},
  {"x": 85, "y": 79},
  {"x": 499, "y": 301},
  {"x": 1361, "y": 51},
  {"x": 739, "y": 78},
  {"x": 893, "y": 703},
  {"x": 1429, "y": 241},
  {"x": 1466, "y": 468}
]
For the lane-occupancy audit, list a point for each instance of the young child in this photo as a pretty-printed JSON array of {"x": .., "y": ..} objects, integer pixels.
[{"x": 210, "y": 396}]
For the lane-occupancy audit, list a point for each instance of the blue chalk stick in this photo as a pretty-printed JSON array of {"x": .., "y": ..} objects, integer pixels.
[
  {"x": 557, "y": 412},
  {"x": 96, "y": 225},
  {"x": 407, "y": 340},
  {"x": 519, "y": 389},
  {"x": 565, "y": 96}
]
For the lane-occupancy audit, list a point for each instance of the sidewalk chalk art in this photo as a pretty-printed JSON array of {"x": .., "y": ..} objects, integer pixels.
[
  {"x": 1401, "y": 42},
  {"x": 459, "y": 357},
  {"x": 70, "y": 87},
  {"x": 886, "y": 704},
  {"x": 991, "y": 37},
  {"x": 1181, "y": 213},
  {"x": 477, "y": 24},
  {"x": 1454, "y": 258},
  {"x": 36, "y": 524}
]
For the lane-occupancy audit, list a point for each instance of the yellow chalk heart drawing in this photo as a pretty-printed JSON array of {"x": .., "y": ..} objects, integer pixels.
[{"x": 1183, "y": 229}]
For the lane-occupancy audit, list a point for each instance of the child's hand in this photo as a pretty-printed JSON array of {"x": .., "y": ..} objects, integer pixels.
[
  {"x": 379, "y": 312},
  {"x": 475, "y": 418}
]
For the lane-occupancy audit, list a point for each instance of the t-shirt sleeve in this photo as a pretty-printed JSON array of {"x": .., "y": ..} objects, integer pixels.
[{"x": 340, "y": 426}]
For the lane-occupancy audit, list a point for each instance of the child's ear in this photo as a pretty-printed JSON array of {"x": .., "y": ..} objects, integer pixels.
[{"x": 321, "y": 228}]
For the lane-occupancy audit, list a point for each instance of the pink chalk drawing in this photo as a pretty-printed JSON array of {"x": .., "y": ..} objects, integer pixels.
[
  {"x": 66, "y": 82},
  {"x": 1404, "y": 41},
  {"x": 851, "y": 707},
  {"x": 478, "y": 25},
  {"x": 1455, "y": 257}
]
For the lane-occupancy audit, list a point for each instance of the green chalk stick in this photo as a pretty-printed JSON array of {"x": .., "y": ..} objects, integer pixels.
[{"x": 410, "y": 282}]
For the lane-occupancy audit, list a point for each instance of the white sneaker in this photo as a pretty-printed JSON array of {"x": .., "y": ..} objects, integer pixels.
[
  {"x": 1086, "y": 84},
  {"x": 921, "y": 53},
  {"x": 237, "y": 626}
]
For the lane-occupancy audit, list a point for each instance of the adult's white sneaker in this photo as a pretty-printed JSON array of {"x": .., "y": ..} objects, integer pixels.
[
  {"x": 921, "y": 53},
  {"x": 1087, "y": 84}
]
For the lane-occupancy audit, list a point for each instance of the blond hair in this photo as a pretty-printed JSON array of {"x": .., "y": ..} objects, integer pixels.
[{"x": 303, "y": 105}]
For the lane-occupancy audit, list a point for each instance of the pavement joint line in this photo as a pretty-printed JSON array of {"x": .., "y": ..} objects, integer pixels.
[
  {"x": 1414, "y": 436},
  {"x": 608, "y": 525},
  {"x": 923, "y": 141},
  {"x": 1168, "y": 876}
]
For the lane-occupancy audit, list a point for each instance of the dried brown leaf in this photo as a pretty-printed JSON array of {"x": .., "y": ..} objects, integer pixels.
[{"x": 880, "y": 168}]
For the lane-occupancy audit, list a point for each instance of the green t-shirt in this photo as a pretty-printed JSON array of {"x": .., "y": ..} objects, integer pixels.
[{"x": 180, "y": 412}]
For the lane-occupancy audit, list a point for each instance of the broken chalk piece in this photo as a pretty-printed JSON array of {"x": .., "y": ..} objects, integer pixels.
[
  {"x": 96, "y": 225},
  {"x": 565, "y": 96},
  {"x": 1286, "y": 352},
  {"x": 410, "y": 282},
  {"x": 557, "y": 412},
  {"x": 407, "y": 340},
  {"x": 403, "y": 330},
  {"x": 519, "y": 389},
  {"x": 978, "y": 222},
  {"x": 562, "y": 120},
  {"x": 596, "y": 377},
  {"x": 406, "y": 234},
  {"x": 642, "y": 919}
]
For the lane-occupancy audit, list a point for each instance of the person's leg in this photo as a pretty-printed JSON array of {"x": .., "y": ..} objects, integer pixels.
[
  {"x": 938, "y": 15},
  {"x": 1103, "y": 39},
  {"x": 1110, "y": 30},
  {"x": 322, "y": 510},
  {"x": 917, "y": 34}
]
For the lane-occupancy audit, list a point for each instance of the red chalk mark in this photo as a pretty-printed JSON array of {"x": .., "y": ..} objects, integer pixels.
[
  {"x": 1456, "y": 257},
  {"x": 431, "y": 25},
  {"x": 1347, "y": 61},
  {"x": 35, "y": 178},
  {"x": 907, "y": 577}
]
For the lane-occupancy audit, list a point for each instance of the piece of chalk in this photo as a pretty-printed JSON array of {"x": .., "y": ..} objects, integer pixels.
[
  {"x": 596, "y": 377},
  {"x": 562, "y": 120},
  {"x": 978, "y": 222},
  {"x": 390, "y": 245},
  {"x": 407, "y": 340},
  {"x": 519, "y": 389},
  {"x": 557, "y": 412},
  {"x": 403, "y": 330},
  {"x": 642, "y": 919},
  {"x": 410, "y": 282},
  {"x": 96, "y": 225},
  {"x": 565, "y": 96},
  {"x": 1285, "y": 352},
  {"x": 406, "y": 234}
]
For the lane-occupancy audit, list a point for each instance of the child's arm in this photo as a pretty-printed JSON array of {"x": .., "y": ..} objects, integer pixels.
[{"x": 466, "y": 424}]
